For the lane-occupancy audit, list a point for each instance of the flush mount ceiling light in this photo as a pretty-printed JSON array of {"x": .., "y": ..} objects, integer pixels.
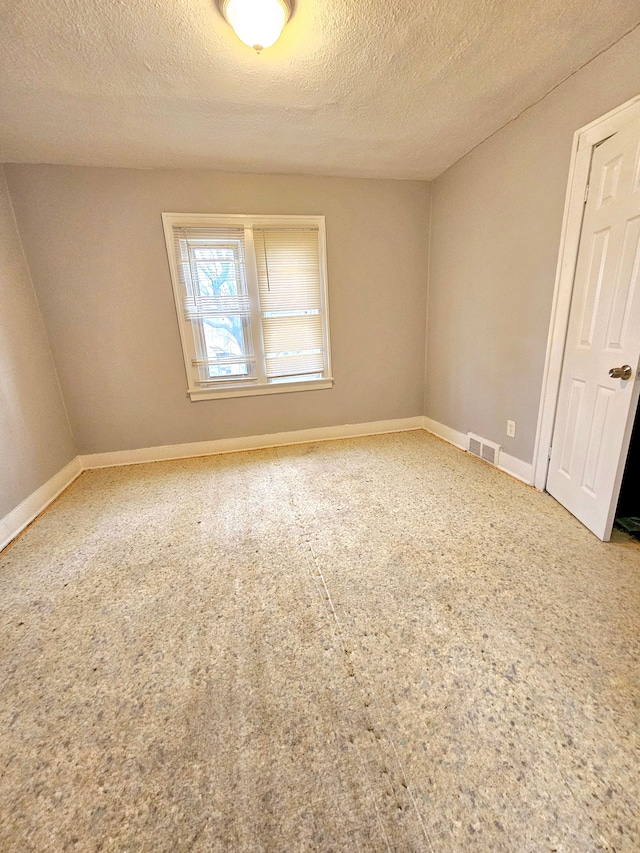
[{"x": 257, "y": 23}]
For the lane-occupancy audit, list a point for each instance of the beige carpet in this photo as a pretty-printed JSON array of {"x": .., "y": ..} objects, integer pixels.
[{"x": 362, "y": 645}]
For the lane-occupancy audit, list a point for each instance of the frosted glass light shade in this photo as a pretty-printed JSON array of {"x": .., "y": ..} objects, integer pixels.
[{"x": 257, "y": 23}]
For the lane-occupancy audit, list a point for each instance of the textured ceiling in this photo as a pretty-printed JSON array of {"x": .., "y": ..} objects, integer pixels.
[{"x": 354, "y": 87}]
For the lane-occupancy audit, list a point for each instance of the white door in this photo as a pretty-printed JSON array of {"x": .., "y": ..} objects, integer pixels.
[{"x": 595, "y": 411}]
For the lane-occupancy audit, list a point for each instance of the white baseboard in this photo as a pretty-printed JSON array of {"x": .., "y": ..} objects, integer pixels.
[
  {"x": 516, "y": 468},
  {"x": 509, "y": 464},
  {"x": 253, "y": 442},
  {"x": 459, "y": 439},
  {"x": 16, "y": 521}
]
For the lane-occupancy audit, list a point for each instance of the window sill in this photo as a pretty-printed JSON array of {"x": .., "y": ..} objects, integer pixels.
[{"x": 254, "y": 390}]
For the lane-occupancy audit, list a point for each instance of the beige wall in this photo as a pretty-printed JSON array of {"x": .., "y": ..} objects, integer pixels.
[
  {"x": 94, "y": 242},
  {"x": 35, "y": 440},
  {"x": 93, "y": 238},
  {"x": 497, "y": 216}
]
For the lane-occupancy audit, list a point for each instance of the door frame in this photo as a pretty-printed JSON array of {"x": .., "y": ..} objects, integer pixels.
[{"x": 584, "y": 141}]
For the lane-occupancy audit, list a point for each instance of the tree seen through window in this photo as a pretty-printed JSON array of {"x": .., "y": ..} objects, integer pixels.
[{"x": 217, "y": 277}]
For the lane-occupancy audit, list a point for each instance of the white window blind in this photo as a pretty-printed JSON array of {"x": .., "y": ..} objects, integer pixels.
[
  {"x": 290, "y": 300},
  {"x": 251, "y": 298}
]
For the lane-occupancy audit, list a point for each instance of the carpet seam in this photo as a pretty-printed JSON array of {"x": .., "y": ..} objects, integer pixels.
[{"x": 343, "y": 637}]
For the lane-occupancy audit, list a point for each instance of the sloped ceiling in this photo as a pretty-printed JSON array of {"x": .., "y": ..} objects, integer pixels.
[{"x": 354, "y": 87}]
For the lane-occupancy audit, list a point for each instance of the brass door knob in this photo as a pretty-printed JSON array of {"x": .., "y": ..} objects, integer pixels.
[{"x": 623, "y": 372}]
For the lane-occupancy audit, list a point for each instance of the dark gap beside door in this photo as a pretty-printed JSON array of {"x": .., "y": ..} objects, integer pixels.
[{"x": 628, "y": 511}]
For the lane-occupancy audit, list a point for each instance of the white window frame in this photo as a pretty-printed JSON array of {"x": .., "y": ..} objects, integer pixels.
[{"x": 258, "y": 385}]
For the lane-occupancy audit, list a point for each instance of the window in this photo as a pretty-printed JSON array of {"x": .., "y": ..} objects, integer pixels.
[{"x": 251, "y": 298}]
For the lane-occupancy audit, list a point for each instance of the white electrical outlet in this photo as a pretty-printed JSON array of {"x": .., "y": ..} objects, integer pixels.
[{"x": 511, "y": 429}]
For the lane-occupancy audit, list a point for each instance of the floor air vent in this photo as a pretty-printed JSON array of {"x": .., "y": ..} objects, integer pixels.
[{"x": 484, "y": 449}]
